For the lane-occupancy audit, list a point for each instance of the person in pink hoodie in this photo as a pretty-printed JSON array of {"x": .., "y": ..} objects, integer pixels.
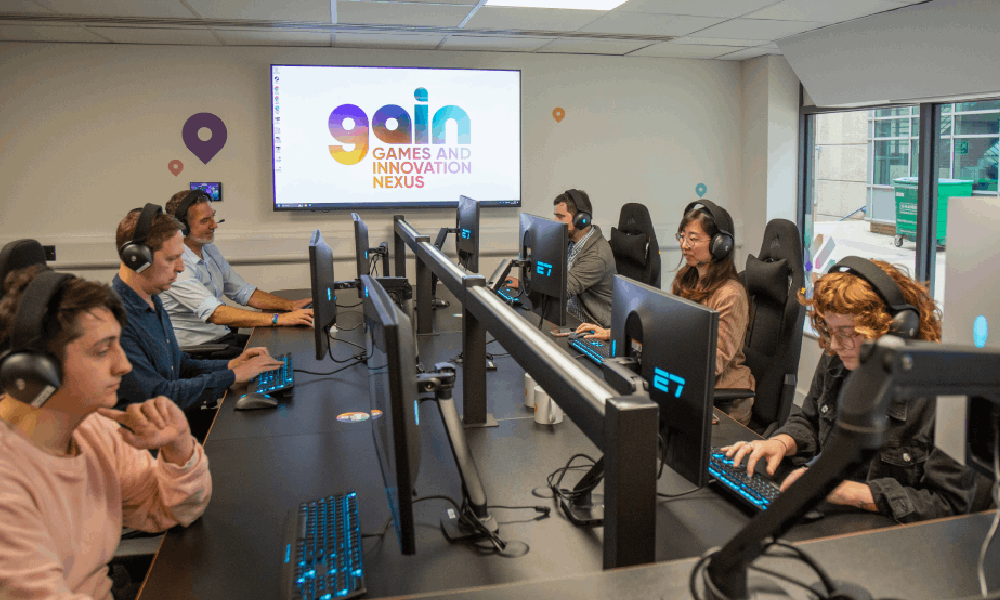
[{"x": 73, "y": 471}]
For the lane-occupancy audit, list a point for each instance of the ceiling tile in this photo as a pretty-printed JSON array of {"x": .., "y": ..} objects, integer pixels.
[
  {"x": 699, "y": 8},
  {"x": 469, "y": 3},
  {"x": 494, "y": 42},
  {"x": 532, "y": 19},
  {"x": 45, "y": 33},
  {"x": 760, "y": 29},
  {"x": 386, "y": 40},
  {"x": 380, "y": 13},
  {"x": 589, "y": 46},
  {"x": 709, "y": 41},
  {"x": 273, "y": 38},
  {"x": 22, "y": 6},
  {"x": 830, "y": 12},
  {"x": 122, "y": 8},
  {"x": 167, "y": 36},
  {"x": 271, "y": 10},
  {"x": 746, "y": 53},
  {"x": 668, "y": 50},
  {"x": 649, "y": 24}
]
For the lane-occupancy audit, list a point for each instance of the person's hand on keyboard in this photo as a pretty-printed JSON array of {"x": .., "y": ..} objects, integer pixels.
[
  {"x": 253, "y": 361},
  {"x": 772, "y": 451},
  {"x": 594, "y": 332},
  {"x": 302, "y": 316}
]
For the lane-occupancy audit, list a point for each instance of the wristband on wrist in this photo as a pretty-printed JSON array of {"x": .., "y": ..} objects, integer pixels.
[
  {"x": 274, "y": 319},
  {"x": 782, "y": 442}
]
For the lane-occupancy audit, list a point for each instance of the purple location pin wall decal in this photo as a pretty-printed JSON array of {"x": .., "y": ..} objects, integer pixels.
[{"x": 205, "y": 150}]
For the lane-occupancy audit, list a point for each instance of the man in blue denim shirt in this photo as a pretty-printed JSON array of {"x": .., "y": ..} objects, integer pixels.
[
  {"x": 908, "y": 479},
  {"x": 159, "y": 368},
  {"x": 195, "y": 301}
]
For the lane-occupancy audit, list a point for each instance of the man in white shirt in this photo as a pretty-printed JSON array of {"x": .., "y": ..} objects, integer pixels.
[{"x": 195, "y": 303}]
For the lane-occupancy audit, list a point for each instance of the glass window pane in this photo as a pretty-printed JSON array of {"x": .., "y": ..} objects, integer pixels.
[
  {"x": 892, "y": 128},
  {"x": 915, "y": 126},
  {"x": 981, "y": 124},
  {"x": 946, "y": 108},
  {"x": 892, "y": 112},
  {"x": 942, "y": 162},
  {"x": 976, "y": 159},
  {"x": 891, "y": 160},
  {"x": 915, "y": 157},
  {"x": 981, "y": 105},
  {"x": 946, "y": 125}
]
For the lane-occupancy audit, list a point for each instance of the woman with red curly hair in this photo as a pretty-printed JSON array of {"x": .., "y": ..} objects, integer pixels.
[{"x": 909, "y": 479}]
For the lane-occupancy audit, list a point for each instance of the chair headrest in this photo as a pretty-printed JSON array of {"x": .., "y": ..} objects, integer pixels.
[
  {"x": 629, "y": 245},
  {"x": 19, "y": 254},
  {"x": 767, "y": 278}
]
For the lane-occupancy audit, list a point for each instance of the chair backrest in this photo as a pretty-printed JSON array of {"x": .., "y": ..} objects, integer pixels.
[
  {"x": 17, "y": 255},
  {"x": 774, "y": 333},
  {"x": 634, "y": 245}
]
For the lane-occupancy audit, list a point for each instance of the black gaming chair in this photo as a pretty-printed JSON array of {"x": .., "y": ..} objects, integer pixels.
[
  {"x": 774, "y": 332},
  {"x": 17, "y": 255},
  {"x": 634, "y": 245}
]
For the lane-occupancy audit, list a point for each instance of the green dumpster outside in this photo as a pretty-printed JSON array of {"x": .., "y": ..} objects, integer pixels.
[{"x": 906, "y": 206}]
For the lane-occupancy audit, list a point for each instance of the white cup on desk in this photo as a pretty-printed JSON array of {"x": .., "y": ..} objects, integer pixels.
[
  {"x": 529, "y": 391},
  {"x": 547, "y": 412}
]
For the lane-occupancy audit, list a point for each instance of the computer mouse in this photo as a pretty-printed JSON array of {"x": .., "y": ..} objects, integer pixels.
[{"x": 254, "y": 401}]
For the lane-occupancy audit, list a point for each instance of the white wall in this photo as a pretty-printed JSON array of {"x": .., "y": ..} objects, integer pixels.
[{"x": 88, "y": 131}]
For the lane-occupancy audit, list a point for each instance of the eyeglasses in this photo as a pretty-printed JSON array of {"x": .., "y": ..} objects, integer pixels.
[
  {"x": 847, "y": 337},
  {"x": 690, "y": 240}
]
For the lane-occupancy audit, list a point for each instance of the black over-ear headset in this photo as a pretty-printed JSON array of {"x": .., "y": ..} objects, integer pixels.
[
  {"x": 193, "y": 197},
  {"x": 722, "y": 242},
  {"x": 136, "y": 254},
  {"x": 28, "y": 372},
  {"x": 905, "y": 317},
  {"x": 583, "y": 217}
]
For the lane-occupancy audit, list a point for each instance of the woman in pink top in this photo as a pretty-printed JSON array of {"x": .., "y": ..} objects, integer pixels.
[
  {"x": 708, "y": 276},
  {"x": 72, "y": 470}
]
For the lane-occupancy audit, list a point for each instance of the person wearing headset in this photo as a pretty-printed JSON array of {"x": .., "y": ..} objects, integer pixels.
[
  {"x": 73, "y": 471},
  {"x": 909, "y": 479},
  {"x": 707, "y": 275},
  {"x": 590, "y": 263},
  {"x": 151, "y": 244},
  {"x": 195, "y": 301}
]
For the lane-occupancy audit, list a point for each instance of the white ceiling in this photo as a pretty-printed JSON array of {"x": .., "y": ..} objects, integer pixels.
[{"x": 705, "y": 29}]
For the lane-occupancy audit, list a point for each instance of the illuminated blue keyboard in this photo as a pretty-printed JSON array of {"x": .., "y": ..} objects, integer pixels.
[
  {"x": 278, "y": 380},
  {"x": 757, "y": 492},
  {"x": 595, "y": 350},
  {"x": 321, "y": 557}
]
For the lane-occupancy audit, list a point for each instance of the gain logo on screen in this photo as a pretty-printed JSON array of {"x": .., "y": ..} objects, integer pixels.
[{"x": 416, "y": 130}]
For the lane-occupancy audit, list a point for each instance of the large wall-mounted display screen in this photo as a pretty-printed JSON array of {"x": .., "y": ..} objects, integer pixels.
[{"x": 367, "y": 137}]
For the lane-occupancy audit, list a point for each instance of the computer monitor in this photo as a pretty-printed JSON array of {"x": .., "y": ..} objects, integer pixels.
[
  {"x": 324, "y": 295},
  {"x": 544, "y": 243},
  {"x": 678, "y": 362},
  {"x": 393, "y": 385},
  {"x": 361, "y": 245},
  {"x": 467, "y": 233}
]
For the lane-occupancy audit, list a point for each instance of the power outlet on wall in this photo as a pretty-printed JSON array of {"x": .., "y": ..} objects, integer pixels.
[{"x": 50, "y": 252}]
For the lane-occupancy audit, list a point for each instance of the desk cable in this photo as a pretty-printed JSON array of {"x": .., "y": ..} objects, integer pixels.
[
  {"x": 663, "y": 460},
  {"x": 469, "y": 520},
  {"x": 824, "y": 590},
  {"x": 996, "y": 517}
]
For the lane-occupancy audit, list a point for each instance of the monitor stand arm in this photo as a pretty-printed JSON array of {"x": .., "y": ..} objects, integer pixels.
[
  {"x": 586, "y": 507},
  {"x": 441, "y": 381},
  {"x": 383, "y": 251}
]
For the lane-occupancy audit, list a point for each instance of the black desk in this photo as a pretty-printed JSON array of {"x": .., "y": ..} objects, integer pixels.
[{"x": 266, "y": 462}]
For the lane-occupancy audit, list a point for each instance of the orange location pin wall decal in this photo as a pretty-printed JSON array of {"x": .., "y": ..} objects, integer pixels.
[
  {"x": 175, "y": 167},
  {"x": 558, "y": 113}
]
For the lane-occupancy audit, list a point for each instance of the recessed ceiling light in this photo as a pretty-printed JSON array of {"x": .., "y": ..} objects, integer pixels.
[{"x": 577, "y": 4}]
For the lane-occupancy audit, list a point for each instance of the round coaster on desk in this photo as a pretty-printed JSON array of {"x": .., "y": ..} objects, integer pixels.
[{"x": 352, "y": 417}]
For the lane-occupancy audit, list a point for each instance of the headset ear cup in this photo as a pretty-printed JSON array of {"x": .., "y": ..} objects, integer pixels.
[
  {"x": 905, "y": 324},
  {"x": 721, "y": 246},
  {"x": 137, "y": 257},
  {"x": 30, "y": 377},
  {"x": 581, "y": 220}
]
